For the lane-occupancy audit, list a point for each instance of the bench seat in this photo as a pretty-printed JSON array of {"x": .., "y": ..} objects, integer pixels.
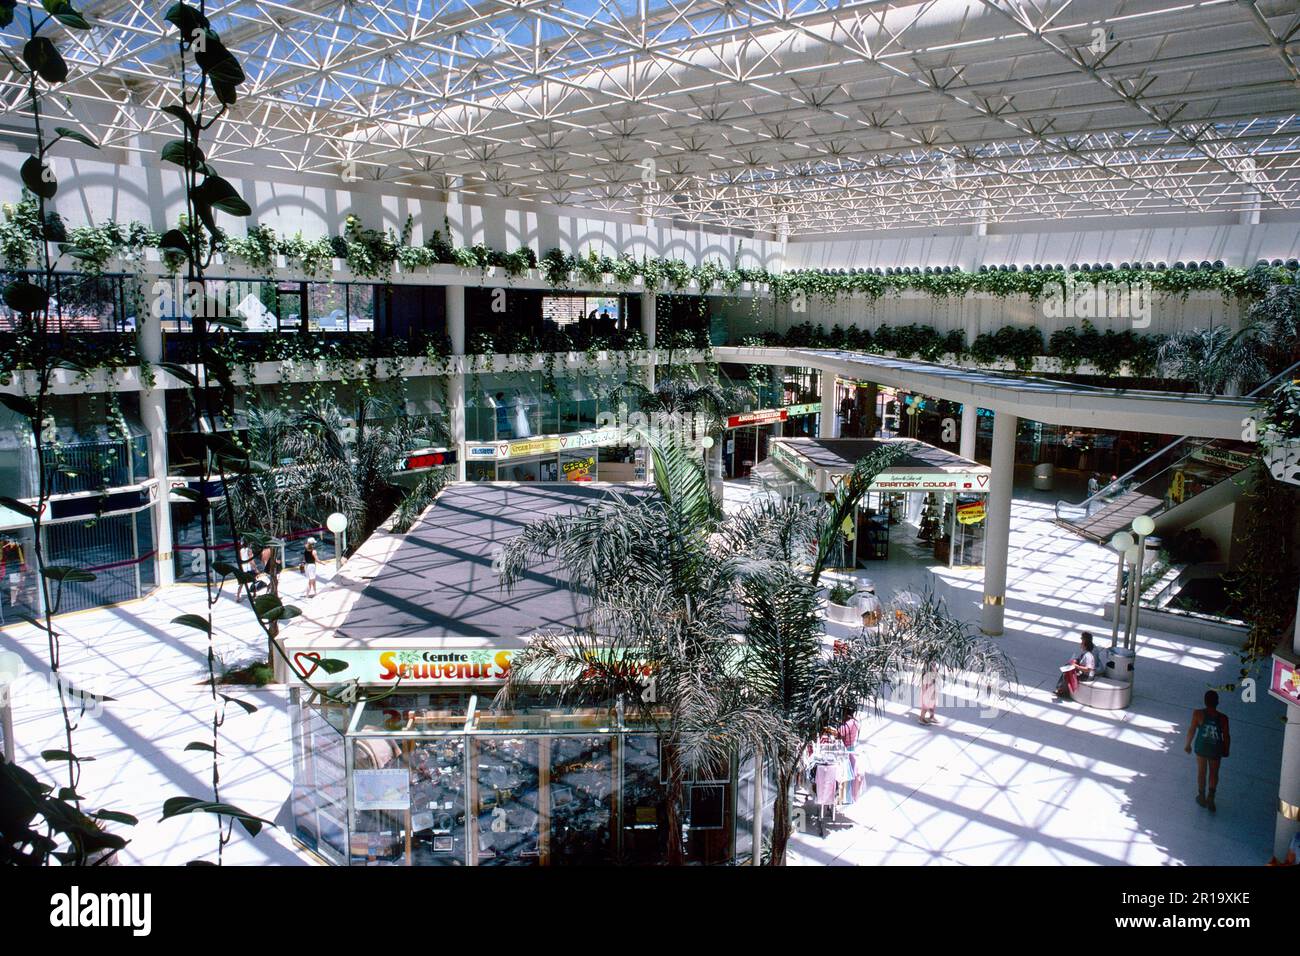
[{"x": 1104, "y": 694}]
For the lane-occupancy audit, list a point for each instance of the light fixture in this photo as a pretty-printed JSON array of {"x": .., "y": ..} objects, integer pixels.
[
  {"x": 1143, "y": 525},
  {"x": 1122, "y": 541},
  {"x": 707, "y": 442},
  {"x": 337, "y": 522},
  {"x": 1131, "y": 555}
]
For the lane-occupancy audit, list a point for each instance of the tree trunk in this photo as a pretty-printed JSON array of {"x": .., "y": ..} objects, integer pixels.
[
  {"x": 781, "y": 822},
  {"x": 676, "y": 793}
]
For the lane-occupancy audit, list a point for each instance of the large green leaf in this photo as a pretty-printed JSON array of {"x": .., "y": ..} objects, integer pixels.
[
  {"x": 25, "y": 297},
  {"x": 67, "y": 574},
  {"x": 219, "y": 194},
  {"x": 72, "y": 134},
  {"x": 225, "y": 92},
  {"x": 182, "y": 153},
  {"x": 176, "y": 806},
  {"x": 174, "y": 241},
  {"x": 7, "y": 12},
  {"x": 44, "y": 60},
  {"x": 182, "y": 114},
  {"x": 24, "y": 509},
  {"x": 21, "y": 404},
  {"x": 194, "y": 621},
  {"x": 186, "y": 19},
  {"x": 39, "y": 178},
  {"x": 217, "y": 62},
  {"x": 64, "y": 12}
]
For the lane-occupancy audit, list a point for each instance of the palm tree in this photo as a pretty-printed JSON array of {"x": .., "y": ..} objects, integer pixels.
[
  {"x": 1214, "y": 359},
  {"x": 785, "y": 667},
  {"x": 659, "y": 624}
]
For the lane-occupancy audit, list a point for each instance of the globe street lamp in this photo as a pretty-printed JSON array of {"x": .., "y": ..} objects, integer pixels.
[
  {"x": 337, "y": 523},
  {"x": 1142, "y": 526},
  {"x": 1121, "y": 542}
]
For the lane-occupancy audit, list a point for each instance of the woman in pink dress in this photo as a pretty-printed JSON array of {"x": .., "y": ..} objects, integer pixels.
[{"x": 929, "y": 692}]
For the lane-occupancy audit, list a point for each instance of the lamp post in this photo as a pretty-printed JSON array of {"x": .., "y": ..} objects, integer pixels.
[
  {"x": 337, "y": 523},
  {"x": 1121, "y": 542},
  {"x": 1142, "y": 526}
]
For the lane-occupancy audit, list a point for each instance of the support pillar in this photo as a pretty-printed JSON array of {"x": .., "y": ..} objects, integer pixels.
[
  {"x": 456, "y": 378},
  {"x": 826, "y": 426},
  {"x": 1288, "y": 791},
  {"x": 153, "y": 416},
  {"x": 998, "y": 536},
  {"x": 969, "y": 423},
  {"x": 649, "y": 302}
]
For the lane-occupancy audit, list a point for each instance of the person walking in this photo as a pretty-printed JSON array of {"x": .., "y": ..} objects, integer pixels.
[
  {"x": 1208, "y": 737},
  {"x": 309, "y": 566},
  {"x": 929, "y": 692},
  {"x": 246, "y": 566}
]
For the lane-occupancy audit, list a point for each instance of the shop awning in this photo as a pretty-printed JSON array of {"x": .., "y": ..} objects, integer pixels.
[{"x": 821, "y": 463}]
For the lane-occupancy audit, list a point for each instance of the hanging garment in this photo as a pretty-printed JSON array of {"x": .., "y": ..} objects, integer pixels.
[
  {"x": 825, "y": 790},
  {"x": 848, "y": 732}
]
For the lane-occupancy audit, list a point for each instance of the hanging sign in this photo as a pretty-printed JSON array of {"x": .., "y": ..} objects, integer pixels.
[
  {"x": 766, "y": 416},
  {"x": 546, "y": 446},
  {"x": 1223, "y": 456},
  {"x": 579, "y": 469},
  {"x": 430, "y": 459},
  {"x": 932, "y": 481},
  {"x": 972, "y": 512},
  {"x": 812, "y": 408},
  {"x": 417, "y": 667},
  {"x": 1285, "y": 681},
  {"x": 532, "y": 446}
]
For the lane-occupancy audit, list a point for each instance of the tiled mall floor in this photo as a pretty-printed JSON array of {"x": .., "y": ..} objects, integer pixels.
[{"x": 1037, "y": 782}]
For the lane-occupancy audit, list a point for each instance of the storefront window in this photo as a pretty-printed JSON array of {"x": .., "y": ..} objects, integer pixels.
[
  {"x": 506, "y": 790},
  {"x": 441, "y": 779}
]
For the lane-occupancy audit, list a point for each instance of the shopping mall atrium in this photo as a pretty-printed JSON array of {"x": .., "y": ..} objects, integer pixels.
[{"x": 640, "y": 432}]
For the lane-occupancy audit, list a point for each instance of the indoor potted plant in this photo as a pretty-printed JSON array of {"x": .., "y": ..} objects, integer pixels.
[
  {"x": 840, "y": 606},
  {"x": 1279, "y": 437}
]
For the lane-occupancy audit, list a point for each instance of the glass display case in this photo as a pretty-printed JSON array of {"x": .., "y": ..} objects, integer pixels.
[{"x": 444, "y": 779}]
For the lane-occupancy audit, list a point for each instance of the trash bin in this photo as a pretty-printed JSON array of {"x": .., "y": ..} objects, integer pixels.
[
  {"x": 1044, "y": 475},
  {"x": 1119, "y": 665}
]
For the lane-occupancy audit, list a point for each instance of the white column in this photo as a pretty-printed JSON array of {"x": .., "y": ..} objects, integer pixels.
[
  {"x": 1288, "y": 791},
  {"x": 456, "y": 380},
  {"x": 153, "y": 416},
  {"x": 648, "y": 302},
  {"x": 997, "y": 537},
  {"x": 969, "y": 421},
  {"x": 827, "y": 427}
]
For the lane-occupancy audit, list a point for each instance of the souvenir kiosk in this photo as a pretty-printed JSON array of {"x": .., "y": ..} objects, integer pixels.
[
  {"x": 434, "y": 773},
  {"x": 942, "y": 494}
]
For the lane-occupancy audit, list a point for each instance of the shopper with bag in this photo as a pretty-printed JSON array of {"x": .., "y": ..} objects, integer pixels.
[{"x": 1208, "y": 737}]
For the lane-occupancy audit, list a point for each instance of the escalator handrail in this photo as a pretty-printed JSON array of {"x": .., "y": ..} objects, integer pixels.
[{"x": 1118, "y": 483}]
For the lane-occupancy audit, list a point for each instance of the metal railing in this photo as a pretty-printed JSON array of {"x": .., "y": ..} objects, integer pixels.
[{"x": 1071, "y": 512}]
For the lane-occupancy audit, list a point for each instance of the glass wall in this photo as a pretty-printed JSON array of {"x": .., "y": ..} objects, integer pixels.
[
  {"x": 433, "y": 780},
  {"x": 511, "y": 406}
]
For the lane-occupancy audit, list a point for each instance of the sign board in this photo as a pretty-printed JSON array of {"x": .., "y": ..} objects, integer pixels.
[
  {"x": 765, "y": 416},
  {"x": 579, "y": 469},
  {"x": 812, "y": 408},
  {"x": 430, "y": 458},
  {"x": 1284, "y": 683},
  {"x": 972, "y": 512},
  {"x": 486, "y": 666},
  {"x": 381, "y": 789},
  {"x": 930, "y": 481},
  {"x": 1222, "y": 456},
  {"x": 792, "y": 462},
  {"x": 548, "y": 445}
]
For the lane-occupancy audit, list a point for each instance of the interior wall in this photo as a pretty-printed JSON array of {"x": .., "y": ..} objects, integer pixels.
[
  {"x": 92, "y": 190},
  {"x": 1275, "y": 236}
]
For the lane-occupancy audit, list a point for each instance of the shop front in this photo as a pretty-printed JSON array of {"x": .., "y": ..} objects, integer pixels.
[
  {"x": 434, "y": 776},
  {"x": 938, "y": 497},
  {"x": 404, "y": 756},
  {"x": 601, "y": 454},
  {"x": 747, "y": 438}
]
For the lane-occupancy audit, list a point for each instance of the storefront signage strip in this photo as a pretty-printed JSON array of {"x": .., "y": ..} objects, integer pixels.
[
  {"x": 549, "y": 445},
  {"x": 766, "y": 416}
]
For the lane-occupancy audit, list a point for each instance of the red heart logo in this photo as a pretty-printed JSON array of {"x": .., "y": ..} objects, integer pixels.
[
  {"x": 312, "y": 656},
  {"x": 982, "y": 479}
]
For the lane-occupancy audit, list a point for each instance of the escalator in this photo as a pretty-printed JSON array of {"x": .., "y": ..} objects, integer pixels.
[
  {"x": 1177, "y": 486},
  {"x": 1180, "y": 484}
]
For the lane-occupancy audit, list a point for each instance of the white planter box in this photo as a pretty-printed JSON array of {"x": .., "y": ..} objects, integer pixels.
[
  {"x": 843, "y": 613},
  {"x": 1283, "y": 461}
]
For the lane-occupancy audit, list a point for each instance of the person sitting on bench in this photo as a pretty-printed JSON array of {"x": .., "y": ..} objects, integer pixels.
[{"x": 1081, "y": 668}]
